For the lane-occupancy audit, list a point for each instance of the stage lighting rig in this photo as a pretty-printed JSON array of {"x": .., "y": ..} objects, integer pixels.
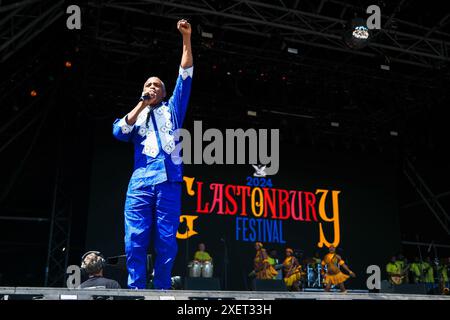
[{"x": 357, "y": 35}]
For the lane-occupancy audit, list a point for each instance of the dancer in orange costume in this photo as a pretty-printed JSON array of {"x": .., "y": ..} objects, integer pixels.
[
  {"x": 292, "y": 271},
  {"x": 334, "y": 276},
  {"x": 263, "y": 269}
]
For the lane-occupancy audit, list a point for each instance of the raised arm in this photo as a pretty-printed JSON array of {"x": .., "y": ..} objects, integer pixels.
[
  {"x": 185, "y": 29},
  {"x": 180, "y": 97}
]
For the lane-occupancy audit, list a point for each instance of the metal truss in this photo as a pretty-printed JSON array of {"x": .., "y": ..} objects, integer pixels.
[
  {"x": 257, "y": 35},
  {"x": 60, "y": 229},
  {"x": 23, "y": 21},
  {"x": 320, "y": 26},
  {"x": 60, "y": 214},
  {"x": 427, "y": 196},
  {"x": 59, "y": 239}
]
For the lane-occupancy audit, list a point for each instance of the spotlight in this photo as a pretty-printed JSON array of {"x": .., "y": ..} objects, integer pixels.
[
  {"x": 33, "y": 93},
  {"x": 208, "y": 35},
  {"x": 293, "y": 50},
  {"x": 68, "y": 64},
  {"x": 357, "y": 36},
  {"x": 394, "y": 133},
  {"x": 361, "y": 32},
  {"x": 335, "y": 124}
]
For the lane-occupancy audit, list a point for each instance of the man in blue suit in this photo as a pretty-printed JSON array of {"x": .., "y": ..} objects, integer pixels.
[{"x": 153, "y": 201}]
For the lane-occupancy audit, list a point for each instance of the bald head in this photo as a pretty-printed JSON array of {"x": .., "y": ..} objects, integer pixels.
[{"x": 155, "y": 86}]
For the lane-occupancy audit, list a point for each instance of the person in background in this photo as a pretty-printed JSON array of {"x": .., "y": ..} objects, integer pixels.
[
  {"x": 334, "y": 276},
  {"x": 201, "y": 255},
  {"x": 394, "y": 271},
  {"x": 447, "y": 267},
  {"x": 93, "y": 263},
  {"x": 292, "y": 271},
  {"x": 399, "y": 261},
  {"x": 442, "y": 270},
  {"x": 262, "y": 267},
  {"x": 402, "y": 263},
  {"x": 273, "y": 260},
  {"x": 428, "y": 271},
  {"x": 316, "y": 258},
  {"x": 416, "y": 271}
]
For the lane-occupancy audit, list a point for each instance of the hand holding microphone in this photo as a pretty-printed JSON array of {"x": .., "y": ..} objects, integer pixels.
[{"x": 147, "y": 97}]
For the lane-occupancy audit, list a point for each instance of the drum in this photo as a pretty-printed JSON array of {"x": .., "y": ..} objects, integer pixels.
[
  {"x": 207, "y": 269},
  {"x": 321, "y": 277},
  {"x": 195, "y": 269},
  {"x": 314, "y": 278},
  {"x": 311, "y": 275}
]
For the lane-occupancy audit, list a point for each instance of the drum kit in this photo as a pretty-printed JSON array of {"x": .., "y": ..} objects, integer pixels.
[
  {"x": 314, "y": 278},
  {"x": 199, "y": 269}
]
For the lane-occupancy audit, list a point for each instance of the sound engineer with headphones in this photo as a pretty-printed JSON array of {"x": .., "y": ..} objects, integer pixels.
[{"x": 93, "y": 263}]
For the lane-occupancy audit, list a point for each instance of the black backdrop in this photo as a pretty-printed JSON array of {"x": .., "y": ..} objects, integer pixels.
[{"x": 369, "y": 228}]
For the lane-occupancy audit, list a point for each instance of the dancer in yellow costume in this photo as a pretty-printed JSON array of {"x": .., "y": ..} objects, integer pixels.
[
  {"x": 292, "y": 271},
  {"x": 334, "y": 276},
  {"x": 262, "y": 267}
]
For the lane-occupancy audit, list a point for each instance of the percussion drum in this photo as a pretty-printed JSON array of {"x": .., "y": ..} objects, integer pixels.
[
  {"x": 195, "y": 269},
  {"x": 207, "y": 269},
  {"x": 314, "y": 277},
  {"x": 311, "y": 275}
]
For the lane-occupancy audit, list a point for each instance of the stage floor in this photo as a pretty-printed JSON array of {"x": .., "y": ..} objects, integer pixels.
[{"x": 38, "y": 293}]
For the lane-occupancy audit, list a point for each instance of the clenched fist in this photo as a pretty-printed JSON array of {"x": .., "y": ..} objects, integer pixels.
[{"x": 184, "y": 27}]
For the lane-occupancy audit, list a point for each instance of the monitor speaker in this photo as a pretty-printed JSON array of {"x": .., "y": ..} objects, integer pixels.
[
  {"x": 201, "y": 283},
  {"x": 270, "y": 285}
]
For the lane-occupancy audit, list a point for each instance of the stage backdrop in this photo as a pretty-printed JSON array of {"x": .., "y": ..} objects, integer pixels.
[{"x": 316, "y": 199}]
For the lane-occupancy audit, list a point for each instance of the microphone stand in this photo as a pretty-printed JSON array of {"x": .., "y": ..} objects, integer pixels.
[
  {"x": 422, "y": 276},
  {"x": 225, "y": 265},
  {"x": 186, "y": 254}
]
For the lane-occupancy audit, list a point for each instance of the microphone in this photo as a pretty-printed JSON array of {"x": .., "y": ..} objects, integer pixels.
[{"x": 147, "y": 96}]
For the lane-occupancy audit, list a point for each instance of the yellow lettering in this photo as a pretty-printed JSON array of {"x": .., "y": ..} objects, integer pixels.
[
  {"x": 257, "y": 204},
  {"x": 189, "y": 227},
  {"x": 335, "y": 218},
  {"x": 189, "y": 182}
]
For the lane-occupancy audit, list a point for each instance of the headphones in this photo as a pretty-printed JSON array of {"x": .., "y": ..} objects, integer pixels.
[{"x": 102, "y": 262}]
